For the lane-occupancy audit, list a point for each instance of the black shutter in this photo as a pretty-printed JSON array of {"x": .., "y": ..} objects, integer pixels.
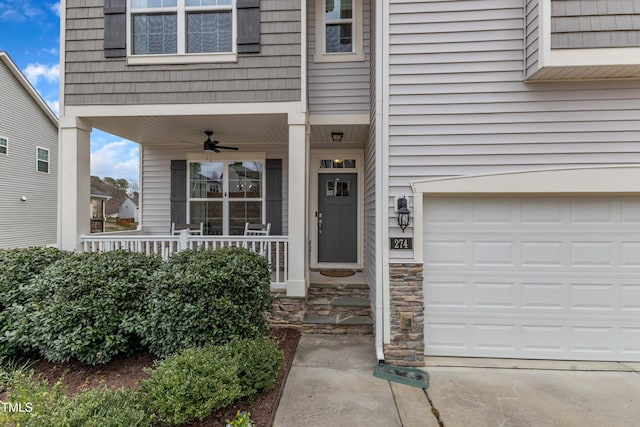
[
  {"x": 274, "y": 195},
  {"x": 115, "y": 28},
  {"x": 248, "y": 26},
  {"x": 179, "y": 191}
]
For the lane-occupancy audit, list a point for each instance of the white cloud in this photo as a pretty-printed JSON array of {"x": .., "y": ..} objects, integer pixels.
[
  {"x": 51, "y": 73},
  {"x": 55, "y": 8},
  {"x": 19, "y": 10},
  {"x": 117, "y": 159}
]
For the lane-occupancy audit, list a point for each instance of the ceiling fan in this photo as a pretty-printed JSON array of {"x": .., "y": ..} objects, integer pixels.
[{"x": 214, "y": 146}]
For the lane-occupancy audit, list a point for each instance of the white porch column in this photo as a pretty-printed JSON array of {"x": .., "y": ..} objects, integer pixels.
[
  {"x": 298, "y": 194},
  {"x": 74, "y": 182}
]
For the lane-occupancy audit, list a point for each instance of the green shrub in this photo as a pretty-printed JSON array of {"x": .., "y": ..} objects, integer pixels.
[
  {"x": 202, "y": 297},
  {"x": 82, "y": 306},
  {"x": 106, "y": 408},
  {"x": 39, "y": 404},
  {"x": 19, "y": 267},
  {"x": 192, "y": 384},
  {"x": 259, "y": 363}
]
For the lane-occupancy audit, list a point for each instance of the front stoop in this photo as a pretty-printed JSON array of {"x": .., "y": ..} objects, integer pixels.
[{"x": 337, "y": 305}]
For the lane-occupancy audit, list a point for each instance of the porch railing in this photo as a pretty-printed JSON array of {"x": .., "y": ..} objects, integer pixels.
[{"x": 274, "y": 248}]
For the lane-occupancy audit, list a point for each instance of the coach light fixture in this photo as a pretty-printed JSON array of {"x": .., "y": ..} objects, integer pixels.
[{"x": 403, "y": 213}]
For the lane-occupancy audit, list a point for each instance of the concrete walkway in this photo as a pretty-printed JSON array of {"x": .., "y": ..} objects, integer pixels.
[{"x": 331, "y": 384}]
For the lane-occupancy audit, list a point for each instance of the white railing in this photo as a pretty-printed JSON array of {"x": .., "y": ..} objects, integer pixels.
[{"x": 274, "y": 248}]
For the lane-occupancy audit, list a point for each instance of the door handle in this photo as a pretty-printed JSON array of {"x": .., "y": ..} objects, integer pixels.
[{"x": 319, "y": 222}]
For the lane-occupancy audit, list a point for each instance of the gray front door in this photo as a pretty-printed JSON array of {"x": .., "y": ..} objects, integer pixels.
[{"x": 337, "y": 217}]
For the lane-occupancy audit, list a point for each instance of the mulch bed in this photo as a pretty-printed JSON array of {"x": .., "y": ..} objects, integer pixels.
[{"x": 128, "y": 371}]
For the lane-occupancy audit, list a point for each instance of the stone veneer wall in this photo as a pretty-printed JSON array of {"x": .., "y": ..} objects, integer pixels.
[
  {"x": 286, "y": 311},
  {"x": 406, "y": 294}
]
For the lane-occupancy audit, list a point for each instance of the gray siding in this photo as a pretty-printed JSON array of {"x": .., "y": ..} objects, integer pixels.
[
  {"x": 458, "y": 105},
  {"x": 271, "y": 75},
  {"x": 595, "y": 23},
  {"x": 370, "y": 179},
  {"x": 338, "y": 87},
  {"x": 532, "y": 12},
  {"x": 25, "y": 125},
  {"x": 156, "y": 184}
]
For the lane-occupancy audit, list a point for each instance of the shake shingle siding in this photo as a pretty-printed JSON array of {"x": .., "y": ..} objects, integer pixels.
[
  {"x": 271, "y": 75},
  {"x": 594, "y": 23},
  {"x": 459, "y": 106}
]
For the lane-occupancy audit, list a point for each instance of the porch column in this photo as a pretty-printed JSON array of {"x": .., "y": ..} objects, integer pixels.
[
  {"x": 74, "y": 182},
  {"x": 298, "y": 184}
]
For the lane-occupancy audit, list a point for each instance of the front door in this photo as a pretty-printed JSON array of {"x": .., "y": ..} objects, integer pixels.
[{"x": 337, "y": 217}]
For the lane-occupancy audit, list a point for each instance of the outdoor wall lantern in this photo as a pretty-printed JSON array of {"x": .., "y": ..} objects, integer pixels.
[
  {"x": 403, "y": 213},
  {"x": 337, "y": 136}
]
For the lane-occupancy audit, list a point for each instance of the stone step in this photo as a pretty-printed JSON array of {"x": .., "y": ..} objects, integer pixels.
[
  {"x": 350, "y": 302},
  {"x": 336, "y": 319},
  {"x": 338, "y": 285}
]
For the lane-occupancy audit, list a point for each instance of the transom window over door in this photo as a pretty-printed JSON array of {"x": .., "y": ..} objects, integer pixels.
[
  {"x": 162, "y": 27},
  {"x": 224, "y": 195}
]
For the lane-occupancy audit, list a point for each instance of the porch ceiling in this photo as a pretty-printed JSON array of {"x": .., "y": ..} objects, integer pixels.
[
  {"x": 171, "y": 130},
  {"x": 228, "y": 129}
]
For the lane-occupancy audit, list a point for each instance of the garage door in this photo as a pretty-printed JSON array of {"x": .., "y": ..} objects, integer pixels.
[{"x": 532, "y": 277}]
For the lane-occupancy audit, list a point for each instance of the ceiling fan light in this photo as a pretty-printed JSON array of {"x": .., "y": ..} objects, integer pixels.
[{"x": 209, "y": 146}]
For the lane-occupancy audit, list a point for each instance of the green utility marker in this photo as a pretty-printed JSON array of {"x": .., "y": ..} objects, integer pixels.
[{"x": 400, "y": 374}]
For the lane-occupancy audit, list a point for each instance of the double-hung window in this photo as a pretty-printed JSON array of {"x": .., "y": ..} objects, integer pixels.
[
  {"x": 225, "y": 195},
  {"x": 339, "y": 30},
  {"x": 178, "y": 27},
  {"x": 42, "y": 159},
  {"x": 4, "y": 145}
]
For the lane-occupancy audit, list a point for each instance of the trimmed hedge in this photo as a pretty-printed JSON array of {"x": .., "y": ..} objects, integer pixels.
[
  {"x": 82, "y": 306},
  {"x": 18, "y": 268},
  {"x": 202, "y": 297}
]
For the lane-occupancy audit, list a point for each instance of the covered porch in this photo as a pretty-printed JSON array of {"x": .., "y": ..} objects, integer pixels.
[{"x": 264, "y": 180}]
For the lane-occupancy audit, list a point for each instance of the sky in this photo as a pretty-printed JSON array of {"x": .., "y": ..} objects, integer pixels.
[{"x": 30, "y": 34}]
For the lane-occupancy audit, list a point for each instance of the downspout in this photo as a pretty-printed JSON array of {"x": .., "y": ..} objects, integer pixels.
[
  {"x": 381, "y": 167},
  {"x": 303, "y": 56}
]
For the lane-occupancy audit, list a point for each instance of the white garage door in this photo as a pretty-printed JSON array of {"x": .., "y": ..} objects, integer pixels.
[{"x": 532, "y": 277}]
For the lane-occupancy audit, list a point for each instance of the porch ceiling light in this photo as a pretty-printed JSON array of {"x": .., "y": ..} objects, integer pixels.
[
  {"x": 403, "y": 213},
  {"x": 337, "y": 136}
]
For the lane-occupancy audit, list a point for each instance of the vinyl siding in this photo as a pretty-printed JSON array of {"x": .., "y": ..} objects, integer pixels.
[
  {"x": 338, "y": 87},
  {"x": 370, "y": 179},
  {"x": 594, "y": 23},
  {"x": 272, "y": 75},
  {"x": 25, "y": 125},
  {"x": 458, "y": 105},
  {"x": 156, "y": 185}
]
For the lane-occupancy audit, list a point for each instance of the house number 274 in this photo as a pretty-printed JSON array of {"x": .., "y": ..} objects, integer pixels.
[{"x": 400, "y": 243}]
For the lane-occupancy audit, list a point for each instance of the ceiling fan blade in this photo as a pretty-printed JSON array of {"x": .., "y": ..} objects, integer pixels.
[
  {"x": 227, "y": 148},
  {"x": 216, "y": 149}
]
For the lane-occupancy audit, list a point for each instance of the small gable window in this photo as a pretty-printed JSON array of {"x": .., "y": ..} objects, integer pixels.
[
  {"x": 4, "y": 145},
  {"x": 42, "y": 161}
]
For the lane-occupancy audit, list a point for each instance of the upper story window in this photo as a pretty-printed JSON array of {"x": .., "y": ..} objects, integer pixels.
[
  {"x": 339, "y": 30},
  {"x": 4, "y": 145},
  {"x": 161, "y": 27},
  {"x": 42, "y": 160}
]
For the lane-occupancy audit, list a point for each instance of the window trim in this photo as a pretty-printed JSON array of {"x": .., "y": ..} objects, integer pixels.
[
  {"x": 182, "y": 57},
  {"x": 5, "y": 145},
  {"x": 48, "y": 161},
  {"x": 225, "y": 159},
  {"x": 320, "y": 54}
]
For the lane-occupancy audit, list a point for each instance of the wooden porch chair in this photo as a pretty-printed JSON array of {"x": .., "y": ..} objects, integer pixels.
[
  {"x": 192, "y": 228},
  {"x": 258, "y": 230}
]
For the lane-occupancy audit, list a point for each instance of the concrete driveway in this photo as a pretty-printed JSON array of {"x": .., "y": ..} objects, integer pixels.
[{"x": 535, "y": 393}]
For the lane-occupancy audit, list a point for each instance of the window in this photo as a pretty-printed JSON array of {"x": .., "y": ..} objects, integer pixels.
[
  {"x": 4, "y": 145},
  {"x": 42, "y": 161},
  {"x": 224, "y": 195},
  {"x": 165, "y": 27},
  {"x": 339, "y": 31}
]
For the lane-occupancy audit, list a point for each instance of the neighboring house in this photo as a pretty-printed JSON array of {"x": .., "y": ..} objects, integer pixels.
[
  {"x": 98, "y": 210},
  {"x": 129, "y": 209},
  {"x": 512, "y": 129},
  {"x": 28, "y": 162}
]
